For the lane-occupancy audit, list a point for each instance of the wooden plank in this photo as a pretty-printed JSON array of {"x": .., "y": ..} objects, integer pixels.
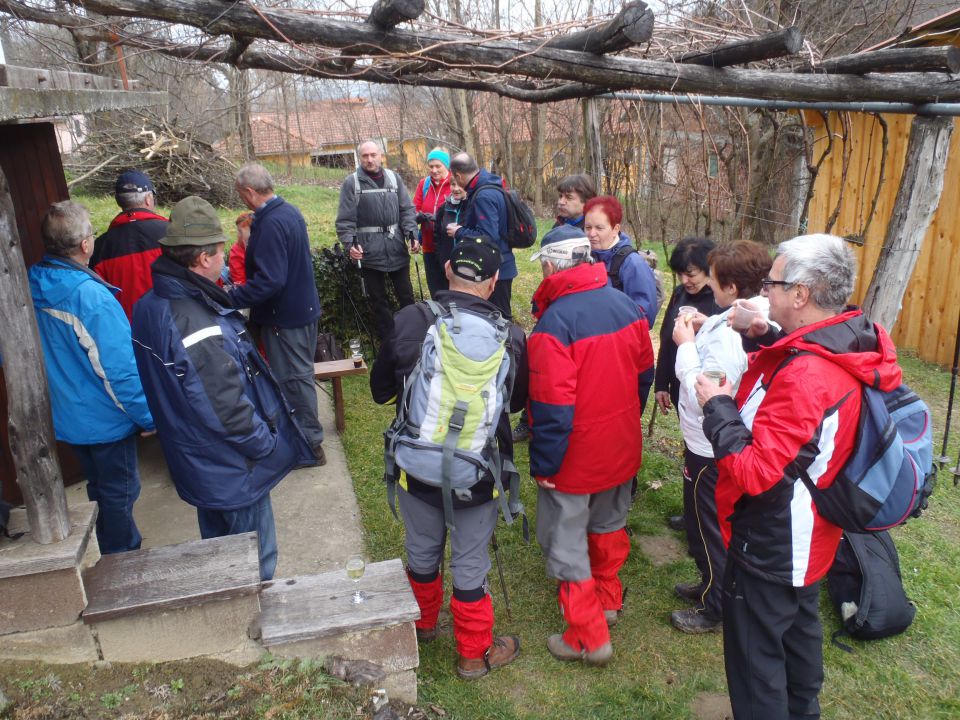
[
  {"x": 338, "y": 368},
  {"x": 172, "y": 576},
  {"x": 15, "y": 76},
  {"x": 26, "y": 557},
  {"x": 20, "y": 103},
  {"x": 314, "y": 606}
]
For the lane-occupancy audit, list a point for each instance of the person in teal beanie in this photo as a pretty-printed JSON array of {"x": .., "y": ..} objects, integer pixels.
[{"x": 428, "y": 199}]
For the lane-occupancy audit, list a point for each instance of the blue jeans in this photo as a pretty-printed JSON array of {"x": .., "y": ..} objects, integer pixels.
[
  {"x": 258, "y": 517},
  {"x": 114, "y": 484}
]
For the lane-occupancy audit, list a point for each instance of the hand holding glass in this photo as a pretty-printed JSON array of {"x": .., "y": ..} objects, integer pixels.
[
  {"x": 717, "y": 376},
  {"x": 742, "y": 314},
  {"x": 355, "y": 567}
]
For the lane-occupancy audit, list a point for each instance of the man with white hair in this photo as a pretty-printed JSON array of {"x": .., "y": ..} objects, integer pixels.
[
  {"x": 282, "y": 294},
  {"x": 124, "y": 253},
  {"x": 376, "y": 221},
  {"x": 796, "y": 412},
  {"x": 587, "y": 353},
  {"x": 96, "y": 398}
]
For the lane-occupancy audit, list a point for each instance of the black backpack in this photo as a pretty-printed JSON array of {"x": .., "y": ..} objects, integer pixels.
[
  {"x": 866, "y": 589},
  {"x": 521, "y": 224}
]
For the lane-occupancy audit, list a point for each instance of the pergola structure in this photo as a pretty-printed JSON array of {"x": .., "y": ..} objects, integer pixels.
[{"x": 393, "y": 45}]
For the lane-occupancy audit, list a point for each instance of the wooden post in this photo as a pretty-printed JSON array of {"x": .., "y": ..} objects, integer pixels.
[
  {"x": 920, "y": 187},
  {"x": 592, "y": 141},
  {"x": 32, "y": 441}
]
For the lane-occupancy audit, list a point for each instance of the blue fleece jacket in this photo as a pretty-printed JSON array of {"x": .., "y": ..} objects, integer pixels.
[
  {"x": 280, "y": 289},
  {"x": 636, "y": 276},
  {"x": 486, "y": 214},
  {"x": 95, "y": 391}
]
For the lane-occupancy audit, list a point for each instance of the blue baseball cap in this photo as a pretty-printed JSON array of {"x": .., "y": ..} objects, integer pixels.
[{"x": 131, "y": 181}]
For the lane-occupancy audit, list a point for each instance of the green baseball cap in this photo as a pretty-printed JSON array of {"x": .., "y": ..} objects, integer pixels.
[{"x": 193, "y": 221}]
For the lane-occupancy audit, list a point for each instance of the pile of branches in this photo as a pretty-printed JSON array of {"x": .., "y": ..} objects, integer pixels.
[{"x": 178, "y": 164}]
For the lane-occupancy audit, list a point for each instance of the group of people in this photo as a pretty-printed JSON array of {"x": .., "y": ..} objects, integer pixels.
[
  {"x": 761, "y": 358},
  {"x": 175, "y": 356}
]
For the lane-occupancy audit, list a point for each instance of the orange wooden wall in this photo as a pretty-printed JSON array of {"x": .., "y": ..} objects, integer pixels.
[{"x": 928, "y": 319}]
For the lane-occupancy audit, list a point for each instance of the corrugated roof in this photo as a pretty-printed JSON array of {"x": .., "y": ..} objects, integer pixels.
[{"x": 941, "y": 30}]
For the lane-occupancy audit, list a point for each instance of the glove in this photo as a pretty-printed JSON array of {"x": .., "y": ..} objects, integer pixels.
[{"x": 423, "y": 217}]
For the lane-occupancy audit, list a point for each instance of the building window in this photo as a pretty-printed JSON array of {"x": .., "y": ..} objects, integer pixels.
[
  {"x": 340, "y": 160},
  {"x": 713, "y": 165}
]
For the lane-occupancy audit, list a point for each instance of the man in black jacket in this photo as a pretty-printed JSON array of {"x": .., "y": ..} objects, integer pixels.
[
  {"x": 375, "y": 221},
  {"x": 472, "y": 272}
]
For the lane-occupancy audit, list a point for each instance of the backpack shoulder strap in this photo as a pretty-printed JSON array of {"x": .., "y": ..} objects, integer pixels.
[
  {"x": 616, "y": 264},
  {"x": 356, "y": 187},
  {"x": 426, "y": 189},
  {"x": 389, "y": 180}
]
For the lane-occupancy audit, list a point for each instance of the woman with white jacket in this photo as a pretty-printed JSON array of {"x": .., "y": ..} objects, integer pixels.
[{"x": 736, "y": 272}]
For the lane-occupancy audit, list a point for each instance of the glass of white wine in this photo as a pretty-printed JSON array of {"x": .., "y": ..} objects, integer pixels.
[{"x": 355, "y": 567}]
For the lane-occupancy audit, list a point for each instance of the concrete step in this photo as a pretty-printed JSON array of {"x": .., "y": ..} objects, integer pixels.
[
  {"x": 193, "y": 599},
  {"x": 313, "y": 616}
]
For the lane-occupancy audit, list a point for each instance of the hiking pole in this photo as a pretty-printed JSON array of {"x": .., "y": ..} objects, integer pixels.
[
  {"x": 416, "y": 261},
  {"x": 503, "y": 583},
  {"x": 953, "y": 389},
  {"x": 363, "y": 285}
]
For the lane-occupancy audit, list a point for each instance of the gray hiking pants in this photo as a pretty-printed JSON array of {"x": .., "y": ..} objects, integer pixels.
[
  {"x": 290, "y": 354},
  {"x": 426, "y": 535},
  {"x": 564, "y": 520}
]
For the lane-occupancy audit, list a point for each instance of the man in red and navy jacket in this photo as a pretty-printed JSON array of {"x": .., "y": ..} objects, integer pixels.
[
  {"x": 797, "y": 410},
  {"x": 587, "y": 353},
  {"x": 124, "y": 253}
]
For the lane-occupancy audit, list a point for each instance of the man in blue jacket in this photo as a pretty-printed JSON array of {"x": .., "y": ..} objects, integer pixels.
[
  {"x": 96, "y": 398},
  {"x": 282, "y": 294},
  {"x": 227, "y": 433},
  {"x": 485, "y": 215}
]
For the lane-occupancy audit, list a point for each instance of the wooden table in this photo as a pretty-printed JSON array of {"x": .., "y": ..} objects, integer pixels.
[{"x": 335, "y": 370}]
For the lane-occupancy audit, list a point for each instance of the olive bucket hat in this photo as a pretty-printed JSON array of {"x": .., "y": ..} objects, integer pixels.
[{"x": 193, "y": 221}]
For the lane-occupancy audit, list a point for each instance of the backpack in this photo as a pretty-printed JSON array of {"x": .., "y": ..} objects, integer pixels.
[
  {"x": 890, "y": 474},
  {"x": 620, "y": 257},
  {"x": 866, "y": 589},
  {"x": 521, "y": 224},
  {"x": 444, "y": 434}
]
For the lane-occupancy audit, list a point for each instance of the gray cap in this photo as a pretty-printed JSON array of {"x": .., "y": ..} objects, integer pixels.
[
  {"x": 193, "y": 221},
  {"x": 563, "y": 243}
]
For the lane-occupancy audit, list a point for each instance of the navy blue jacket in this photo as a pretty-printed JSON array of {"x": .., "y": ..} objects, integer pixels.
[
  {"x": 227, "y": 433},
  {"x": 281, "y": 290},
  {"x": 486, "y": 214},
  {"x": 636, "y": 277}
]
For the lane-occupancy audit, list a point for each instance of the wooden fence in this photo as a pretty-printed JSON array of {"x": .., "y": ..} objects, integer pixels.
[{"x": 848, "y": 182}]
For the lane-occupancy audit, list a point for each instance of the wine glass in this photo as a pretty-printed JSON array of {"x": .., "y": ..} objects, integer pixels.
[{"x": 355, "y": 567}]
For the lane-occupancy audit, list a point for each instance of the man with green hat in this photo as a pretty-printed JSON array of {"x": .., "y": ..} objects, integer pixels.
[{"x": 226, "y": 430}]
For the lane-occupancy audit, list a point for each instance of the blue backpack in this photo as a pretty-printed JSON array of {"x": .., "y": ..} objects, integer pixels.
[{"x": 890, "y": 474}]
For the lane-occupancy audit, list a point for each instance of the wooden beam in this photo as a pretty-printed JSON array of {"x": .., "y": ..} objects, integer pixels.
[
  {"x": 32, "y": 442},
  {"x": 927, "y": 59},
  {"x": 387, "y": 14},
  {"x": 531, "y": 59},
  {"x": 633, "y": 25},
  {"x": 17, "y": 103},
  {"x": 921, "y": 185},
  {"x": 766, "y": 47}
]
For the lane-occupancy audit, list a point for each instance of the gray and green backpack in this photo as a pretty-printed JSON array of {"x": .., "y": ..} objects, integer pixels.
[{"x": 444, "y": 434}]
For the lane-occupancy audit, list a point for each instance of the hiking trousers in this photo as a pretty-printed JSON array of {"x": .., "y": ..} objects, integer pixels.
[
  {"x": 290, "y": 353},
  {"x": 704, "y": 540},
  {"x": 425, "y": 538},
  {"x": 375, "y": 282},
  {"x": 585, "y": 543},
  {"x": 772, "y": 647}
]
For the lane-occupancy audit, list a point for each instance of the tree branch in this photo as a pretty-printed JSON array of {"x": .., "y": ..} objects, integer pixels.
[{"x": 633, "y": 25}]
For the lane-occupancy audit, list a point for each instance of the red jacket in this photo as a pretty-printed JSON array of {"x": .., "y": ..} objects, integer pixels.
[
  {"x": 586, "y": 354},
  {"x": 236, "y": 262},
  {"x": 799, "y": 405},
  {"x": 124, "y": 253},
  {"x": 432, "y": 202}
]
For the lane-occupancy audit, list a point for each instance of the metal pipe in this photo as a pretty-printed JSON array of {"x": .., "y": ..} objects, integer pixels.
[{"x": 903, "y": 108}]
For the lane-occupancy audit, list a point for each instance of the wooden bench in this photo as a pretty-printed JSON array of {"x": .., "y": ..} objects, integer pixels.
[{"x": 335, "y": 370}]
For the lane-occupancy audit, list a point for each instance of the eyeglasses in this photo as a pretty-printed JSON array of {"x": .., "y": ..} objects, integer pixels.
[{"x": 768, "y": 283}]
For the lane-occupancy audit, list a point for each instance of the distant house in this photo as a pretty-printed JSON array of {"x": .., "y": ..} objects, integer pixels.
[{"x": 326, "y": 133}]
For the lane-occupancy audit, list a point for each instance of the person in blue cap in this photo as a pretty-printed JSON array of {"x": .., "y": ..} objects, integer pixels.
[{"x": 428, "y": 200}]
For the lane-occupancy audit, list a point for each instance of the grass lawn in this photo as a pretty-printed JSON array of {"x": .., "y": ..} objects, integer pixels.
[{"x": 656, "y": 672}]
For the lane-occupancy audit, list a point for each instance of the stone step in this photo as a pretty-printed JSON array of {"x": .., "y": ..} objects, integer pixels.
[
  {"x": 313, "y": 616},
  {"x": 196, "y": 598}
]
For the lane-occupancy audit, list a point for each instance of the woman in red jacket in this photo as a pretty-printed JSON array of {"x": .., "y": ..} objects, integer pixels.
[
  {"x": 236, "y": 261},
  {"x": 431, "y": 193}
]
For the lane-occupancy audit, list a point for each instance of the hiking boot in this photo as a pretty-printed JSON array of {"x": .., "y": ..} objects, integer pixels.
[
  {"x": 675, "y": 522},
  {"x": 425, "y": 635},
  {"x": 612, "y": 616},
  {"x": 561, "y": 651},
  {"x": 504, "y": 651},
  {"x": 320, "y": 455},
  {"x": 521, "y": 432},
  {"x": 695, "y": 621},
  {"x": 691, "y": 592}
]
